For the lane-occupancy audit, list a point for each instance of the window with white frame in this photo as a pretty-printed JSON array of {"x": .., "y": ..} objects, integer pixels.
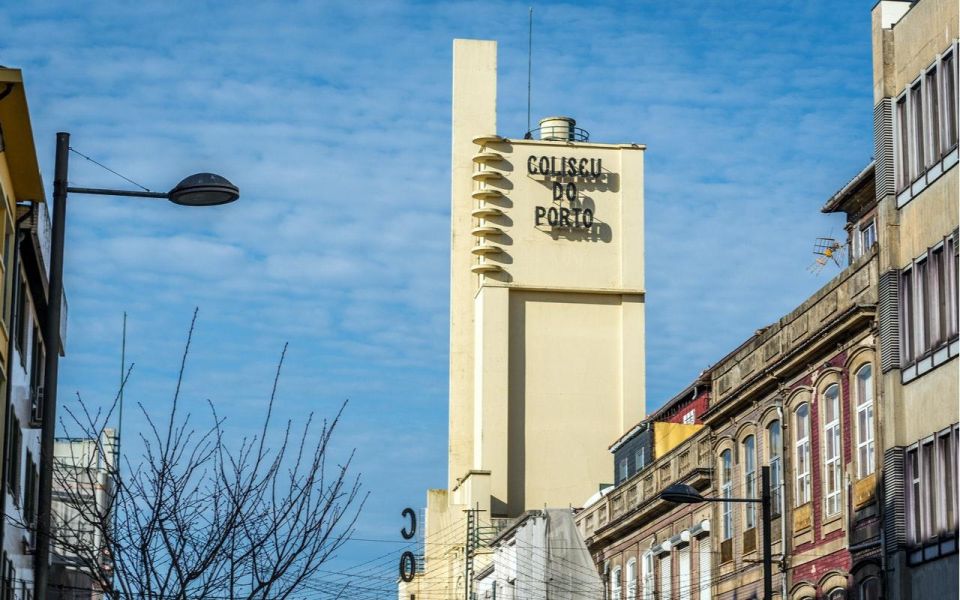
[
  {"x": 775, "y": 451},
  {"x": 666, "y": 575},
  {"x": 632, "y": 579},
  {"x": 623, "y": 469},
  {"x": 683, "y": 572},
  {"x": 726, "y": 491},
  {"x": 928, "y": 301},
  {"x": 926, "y": 120},
  {"x": 948, "y": 99},
  {"x": 646, "y": 574},
  {"x": 802, "y": 447},
  {"x": 750, "y": 478},
  {"x": 866, "y": 237},
  {"x": 931, "y": 487},
  {"x": 615, "y": 583},
  {"x": 831, "y": 448},
  {"x": 917, "y": 164},
  {"x": 865, "y": 447},
  {"x": 931, "y": 101},
  {"x": 640, "y": 459},
  {"x": 704, "y": 566},
  {"x": 690, "y": 417}
]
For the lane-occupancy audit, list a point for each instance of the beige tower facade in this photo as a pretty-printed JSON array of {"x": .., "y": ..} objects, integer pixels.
[
  {"x": 546, "y": 305},
  {"x": 546, "y": 314}
]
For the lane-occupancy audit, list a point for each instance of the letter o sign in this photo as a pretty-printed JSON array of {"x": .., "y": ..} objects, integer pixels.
[{"x": 408, "y": 566}]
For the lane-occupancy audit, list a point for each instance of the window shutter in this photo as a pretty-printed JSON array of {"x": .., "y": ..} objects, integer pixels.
[
  {"x": 894, "y": 520},
  {"x": 883, "y": 147},
  {"x": 889, "y": 320}
]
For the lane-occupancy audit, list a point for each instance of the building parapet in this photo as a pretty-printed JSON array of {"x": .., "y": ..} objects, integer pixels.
[
  {"x": 637, "y": 499},
  {"x": 849, "y": 296}
]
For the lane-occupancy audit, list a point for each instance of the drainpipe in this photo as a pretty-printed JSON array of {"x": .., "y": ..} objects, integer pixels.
[{"x": 783, "y": 499}]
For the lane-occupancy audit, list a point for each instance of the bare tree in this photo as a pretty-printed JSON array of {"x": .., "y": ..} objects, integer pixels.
[{"x": 198, "y": 515}]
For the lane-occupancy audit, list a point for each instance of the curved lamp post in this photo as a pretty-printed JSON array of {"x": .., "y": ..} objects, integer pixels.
[
  {"x": 681, "y": 493},
  {"x": 202, "y": 189}
]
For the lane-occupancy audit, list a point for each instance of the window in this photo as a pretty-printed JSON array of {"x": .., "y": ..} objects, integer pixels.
[
  {"x": 831, "y": 448},
  {"x": 917, "y": 165},
  {"x": 775, "y": 445},
  {"x": 933, "y": 114},
  {"x": 902, "y": 149},
  {"x": 928, "y": 302},
  {"x": 837, "y": 594},
  {"x": 750, "y": 478},
  {"x": 623, "y": 469},
  {"x": 689, "y": 418},
  {"x": 647, "y": 577},
  {"x": 865, "y": 449},
  {"x": 14, "y": 443},
  {"x": 802, "y": 417},
  {"x": 931, "y": 482},
  {"x": 21, "y": 320},
  {"x": 925, "y": 124},
  {"x": 703, "y": 545},
  {"x": 640, "y": 458},
  {"x": 869, "y": 589},
  {"x": 726, "y": 491},
  {"x": 948, "y": 105},
  {"x": 30, "y": 493},
  {"x": 615, "y": 583},
  {"x": 632, "y": 579},
  {"x": 666, "y": 576},
  {"x": 867, "y": 236},
  {"x": 683, "y": 572}
]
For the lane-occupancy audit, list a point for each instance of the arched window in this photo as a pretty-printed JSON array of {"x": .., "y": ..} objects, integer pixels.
[
  {"x": 869, "y": 589},
  {"x": 865, "y": 449},
  {"x": 632, "y": 579},
  {"x": 750, "y": 478},
  {"x": 802, "y": 447},
  {"x": 616, "y": 583},
  {"x": 726, "y": 491},
  {"x": 831, "y": 448},
  {"x": 837, "y": 594},
  {"x": 775, "y": 450}
]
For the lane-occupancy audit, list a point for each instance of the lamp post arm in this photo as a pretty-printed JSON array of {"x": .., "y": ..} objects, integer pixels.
[{"x": 105, "y": 192}]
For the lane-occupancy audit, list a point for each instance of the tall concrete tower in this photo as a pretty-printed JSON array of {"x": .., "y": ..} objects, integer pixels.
[
  {"x": 546, "y": 312},
  {"x": 546, "y": 300}
]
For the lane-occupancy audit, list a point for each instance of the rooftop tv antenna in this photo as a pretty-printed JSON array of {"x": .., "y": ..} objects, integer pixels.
[
  {"x": 529, "y": 64},
  {"x": 827, "y": 250}
]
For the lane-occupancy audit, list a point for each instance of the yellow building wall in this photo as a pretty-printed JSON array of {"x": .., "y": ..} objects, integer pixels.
[{"x": 667, "y": 436}]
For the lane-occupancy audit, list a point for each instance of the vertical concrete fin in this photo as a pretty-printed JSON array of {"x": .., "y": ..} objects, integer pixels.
[{"x": 474, "y": 114}]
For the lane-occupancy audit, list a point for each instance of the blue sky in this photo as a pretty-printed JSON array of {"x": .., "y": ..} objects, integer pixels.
[{"x": 333, "y": 119}]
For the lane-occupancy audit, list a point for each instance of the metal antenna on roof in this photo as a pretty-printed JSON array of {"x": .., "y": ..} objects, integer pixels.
[{"x": 529, "y": 64}]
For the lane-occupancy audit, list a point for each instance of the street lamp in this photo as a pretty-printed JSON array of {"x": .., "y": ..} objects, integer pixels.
[
  {"x": 681, "y": 493},
  {"x": 202, "y": 189}
]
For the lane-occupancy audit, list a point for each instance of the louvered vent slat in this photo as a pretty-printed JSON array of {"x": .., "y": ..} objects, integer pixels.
[
  {"x": 894, "y": 520},
  {"x": 883, "y": 146},
  {"x": 889, "y": 320}
]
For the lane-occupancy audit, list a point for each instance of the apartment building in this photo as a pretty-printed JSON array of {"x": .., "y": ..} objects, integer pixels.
[
  {"x": 643, "y": 546},
  {"x": 25, "y": 247},
  {"x": 915, "y": 56}
]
